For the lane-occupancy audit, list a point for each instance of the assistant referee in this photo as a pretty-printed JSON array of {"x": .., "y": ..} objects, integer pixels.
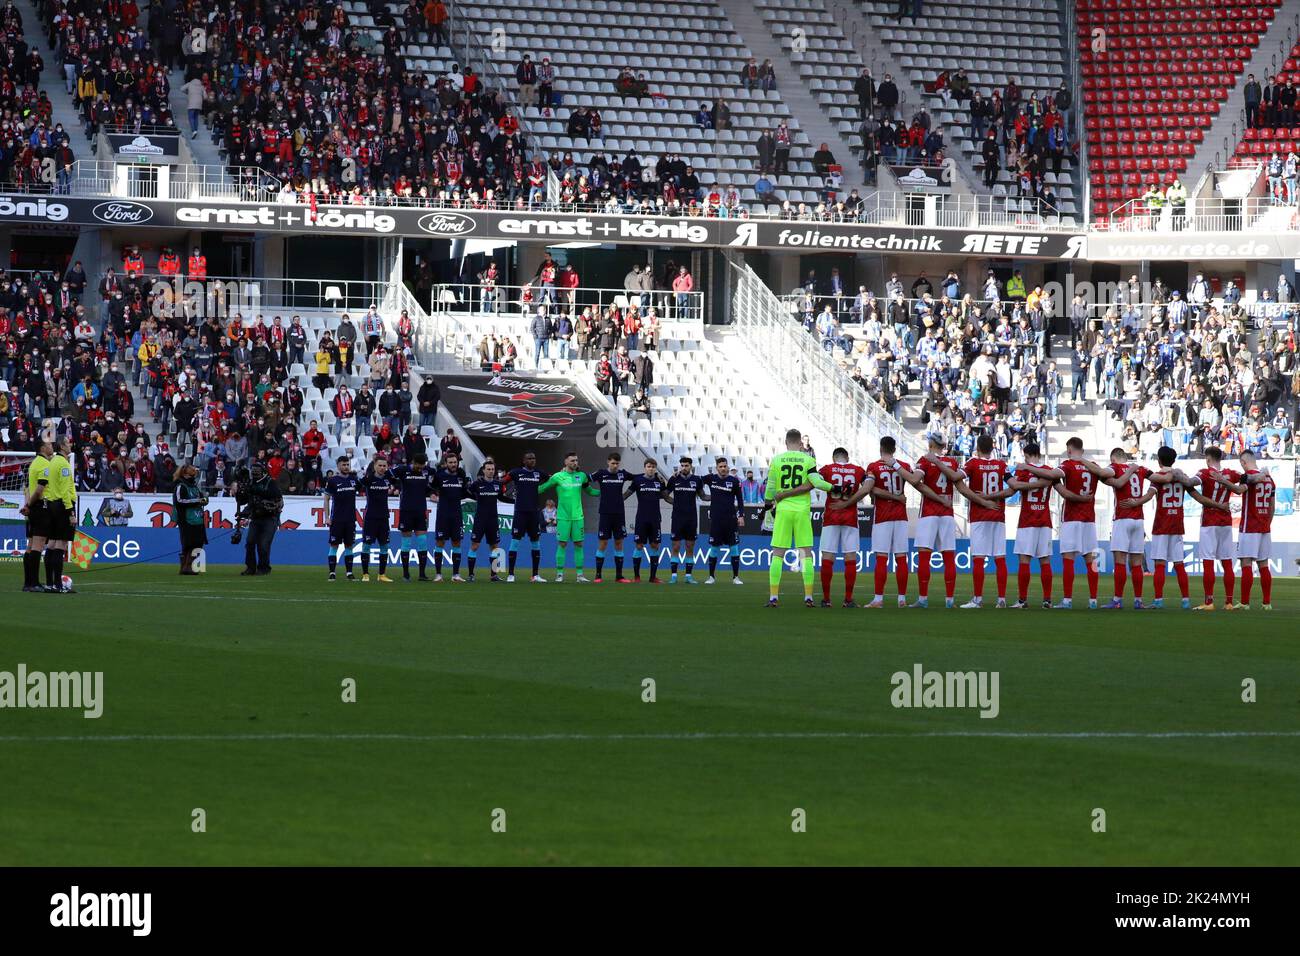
[
  {"x": 61, "y": 503},
  {"x": 36, "y": 511}
]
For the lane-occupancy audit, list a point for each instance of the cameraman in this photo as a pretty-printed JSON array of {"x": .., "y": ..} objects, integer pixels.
[{"x": 260, "y": 502}]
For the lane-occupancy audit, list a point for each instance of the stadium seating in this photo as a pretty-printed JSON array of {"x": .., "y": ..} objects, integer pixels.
[
  {"x": 1156, "y": 83},
  {"x": 696, "y": 60},
  {"x": 995, "y": 43}
]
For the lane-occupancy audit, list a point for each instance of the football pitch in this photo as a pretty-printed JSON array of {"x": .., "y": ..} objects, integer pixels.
[{"x": 522, "y": 708}]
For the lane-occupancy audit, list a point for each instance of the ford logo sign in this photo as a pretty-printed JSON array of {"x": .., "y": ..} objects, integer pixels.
[
  {"x": 446, "y": 224},
  {"x": 122, "y": 213}
]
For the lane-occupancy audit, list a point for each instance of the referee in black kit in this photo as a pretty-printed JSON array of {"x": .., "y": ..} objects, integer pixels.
[{"x": 36, "y": 511}]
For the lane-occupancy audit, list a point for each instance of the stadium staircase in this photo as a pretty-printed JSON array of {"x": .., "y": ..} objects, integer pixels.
[
  {"x": 1278, "y": 53},
  {"x": 767, "y": 346},
  {"x": 1227, "y": 128},
  {"x": 1089, "y": 419},
  {"x": 52, "y": 81},
  {"x": 995, "y": 42},
  {"x": 1155, "y": 84},
  {"x": 697, "y": 408},
  {"x": 800, "y": 43}
]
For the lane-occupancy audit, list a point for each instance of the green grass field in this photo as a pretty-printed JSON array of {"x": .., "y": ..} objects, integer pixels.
[{"x": 225, "y": 694}]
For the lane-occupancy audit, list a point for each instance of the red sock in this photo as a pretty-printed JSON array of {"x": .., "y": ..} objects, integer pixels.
[
  {"x": 1184, "y": 587},
  {"x": 1045, "y": 576},
  {"x": 1158, "y": 586},
  {"x": 949, "y": 573},
  {"x": 1000, "y": 565},
  {"x": 828, "y": 572},
  {"x": 882, "y": 573},
  {"x": 850, "y": 576},
  {"x": 1229, "y": 581},
  {"x": 1022, "y": 578},
  {"x": 1207, "y": 580},
  {"x": 977, "y": 575},
  {"x": 1136, "y": 573},
  {"x": 1266, "y": 582},
  {"x": 1121, "y": 578},
  {"x": 1247, "y": 581},
  {"x": 1067, "y": 579},
  {"x": 923, "y": 574},
  {"x": 1094, "y": 579},
  {"x": 900, "y": 574}
]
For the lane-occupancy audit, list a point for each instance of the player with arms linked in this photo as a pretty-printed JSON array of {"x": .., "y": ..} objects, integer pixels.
[
  {"x": 485, "y": 492},
  {"x": 726, "y": 518},
  {"x": 341, "y": 516},
  {"x": 522, "y": 483},
  {"x": 684, "y": 490},
  {"x": 450, "y": 483},
  {"x": 377, "y": 485},
  {"x": 651, "y": 490},
  {"x": 791, "y": 476}
]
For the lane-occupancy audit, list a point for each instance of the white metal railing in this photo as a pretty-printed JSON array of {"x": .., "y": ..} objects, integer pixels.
[
  {"x": 186, "y": 182},
  {"x": 510, "y": 300},
  {"x": 1214, "y": 214},
  {"x": 249, "y": 295},
  {"x": 811, "y": 377}
]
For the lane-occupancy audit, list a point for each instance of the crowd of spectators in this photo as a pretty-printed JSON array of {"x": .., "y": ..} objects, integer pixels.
[
  {"x": 616, "y": 337},
  {"x": 1183, "y": 372},
  {"x": 33, "y": 148},
  {"x": 216, "y": 386}
]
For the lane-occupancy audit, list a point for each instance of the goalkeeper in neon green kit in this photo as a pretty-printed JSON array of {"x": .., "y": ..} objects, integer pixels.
[
  {"x": 790, "y": 477},
  {"x": 569, "y": 485}
]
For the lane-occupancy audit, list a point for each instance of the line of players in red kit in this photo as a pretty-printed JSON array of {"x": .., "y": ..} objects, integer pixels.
[{"x": 987, "y": 482}]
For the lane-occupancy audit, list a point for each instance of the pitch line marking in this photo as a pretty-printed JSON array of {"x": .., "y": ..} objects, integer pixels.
[{"x": 701, "y": 736}]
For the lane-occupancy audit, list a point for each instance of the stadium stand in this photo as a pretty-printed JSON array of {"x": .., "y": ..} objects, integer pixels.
[
  {"x": 1148, "y": 102},
  {"x": 698, "y": 63},
  {"x": 970, "y": 40},
  {"x": 669, "y": 390}
]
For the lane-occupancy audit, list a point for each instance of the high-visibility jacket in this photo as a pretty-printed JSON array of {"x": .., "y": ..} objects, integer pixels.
[
  {"x": 169, "y": 264},
  {"x": 133, "y": 264},
  {"x": 198, "y": 267}
]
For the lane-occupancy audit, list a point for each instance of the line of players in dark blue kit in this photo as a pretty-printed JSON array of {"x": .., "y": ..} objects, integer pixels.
[{"x": 449, "y": 486}]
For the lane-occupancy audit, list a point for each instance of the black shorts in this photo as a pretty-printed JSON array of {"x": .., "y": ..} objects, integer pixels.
[
  {"x": 686, "y": 529},
  {"x": 193, "y": 536},
  {"x": 724, "y": 537},
  {"x": 449, "y": 527},
  {"x": 375, "y": 536},
  {"x": 612, "y": 526},
  {"x": 648, "y": 532},
  {"x": 413, "y": 522},
  {"x": 345, "y": 535},
  {"x": 61, "y": 521},
  {"x": 526, "y": 523},
  {"x": 38, "y": 519},
  {"x": 490, "y": 533}
]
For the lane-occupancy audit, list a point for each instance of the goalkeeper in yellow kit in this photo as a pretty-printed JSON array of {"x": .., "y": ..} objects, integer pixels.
[{"x": 790, "y": 477}]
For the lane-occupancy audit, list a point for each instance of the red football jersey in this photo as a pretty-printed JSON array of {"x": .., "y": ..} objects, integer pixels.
[
  {"x": 1034, "y": 505},
  {"x": 846, "y": 480},
  {"x": 1257, "y": 508},
  {"x": 1213, "y": 517},
  {"x": 1169, "y": 509},
  {"x": 888, "y": 479},
  {"x": 986, "y": 476},
  {"x": 938, "y": 482},
  {"x": 1080, "y": 481},
  {"x": 1127, "y": 494}
]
